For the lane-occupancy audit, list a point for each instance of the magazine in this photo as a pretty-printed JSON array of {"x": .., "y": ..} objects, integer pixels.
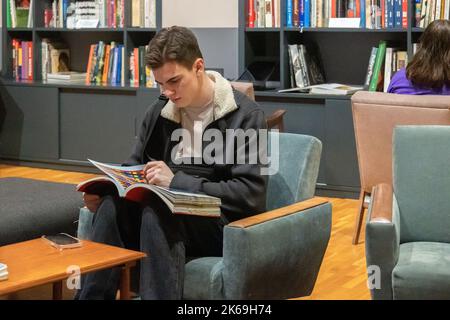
[{"x": 129, "y": 182}]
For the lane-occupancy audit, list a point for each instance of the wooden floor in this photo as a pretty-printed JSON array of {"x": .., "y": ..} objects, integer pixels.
[{"x": 342, "y": 275}]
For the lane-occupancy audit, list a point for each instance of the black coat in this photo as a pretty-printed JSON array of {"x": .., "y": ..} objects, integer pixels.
[{"x": 241, "y": 187}]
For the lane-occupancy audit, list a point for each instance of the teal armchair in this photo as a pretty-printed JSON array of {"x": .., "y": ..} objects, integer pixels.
[
  {"x": 273, "y": 255},
  {"x": 407, "y": 231}
]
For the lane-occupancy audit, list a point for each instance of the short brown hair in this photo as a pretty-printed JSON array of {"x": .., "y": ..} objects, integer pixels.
[
  {"x": 430, "y": 66},
  {"x": 175, "y": 43}
]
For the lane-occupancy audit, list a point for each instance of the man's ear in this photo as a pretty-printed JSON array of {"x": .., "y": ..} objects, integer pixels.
[{"x": 199, "y": 66}]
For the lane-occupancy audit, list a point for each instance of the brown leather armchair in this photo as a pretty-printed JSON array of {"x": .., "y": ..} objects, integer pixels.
[
  {"x": 275, "y": 120},
  {"x": 375, "y": 114}
]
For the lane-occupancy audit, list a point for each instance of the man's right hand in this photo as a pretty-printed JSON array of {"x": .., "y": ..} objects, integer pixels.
[{"x": 92, "y": 201}]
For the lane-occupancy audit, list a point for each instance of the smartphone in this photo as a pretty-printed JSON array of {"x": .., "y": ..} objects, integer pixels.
[{"x": 62, "y": 241}]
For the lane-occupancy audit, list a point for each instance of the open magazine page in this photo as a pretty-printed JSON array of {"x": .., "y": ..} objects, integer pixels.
[{"x": 126, "y": 176}]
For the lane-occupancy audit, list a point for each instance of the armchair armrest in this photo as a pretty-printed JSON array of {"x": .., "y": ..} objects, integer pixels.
[
  {"x": 277, "y": 213},
  {"x": 287, "y": 243},
  {"x": 381, "y": 203},
  {"x": 382, "y": 241}
]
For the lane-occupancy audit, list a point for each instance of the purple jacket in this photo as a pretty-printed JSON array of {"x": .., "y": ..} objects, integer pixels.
[{"x": 400, "y": 84}]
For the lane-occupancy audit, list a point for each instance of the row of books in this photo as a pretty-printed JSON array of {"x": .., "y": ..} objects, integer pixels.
[
  {"x": 84, "y": 14},
  {"x": 427, "y": 11},
  {"x": 140, "y": 74},
  {"x": 143, "y": 13},
  {"x": 22, "y": 59},
  {"x": 263, "y": 13},
  {"x": 19, "y": 13},
  {"x": 371, "y": 14},
  {"x": 105, "y": 64},
  {"x": 384, "y": 62}
]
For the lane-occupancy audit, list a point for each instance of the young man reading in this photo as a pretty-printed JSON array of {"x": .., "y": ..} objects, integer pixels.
[{"x": 196, "y": 101}]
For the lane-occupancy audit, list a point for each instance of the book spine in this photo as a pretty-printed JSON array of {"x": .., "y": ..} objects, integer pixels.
[
  {"x": 446, "y": 9},
  {"x": 122, "y": 66},
  {"x": 268, "y": 13},
  {"x": 250, "y": 13},
  {"x": 307, "y": 10},
  {"x": 136, "y": 67},
  {"x": 12, "y": 7},
  {"x": 373, "y": 55},
  {"x": 115, "y": 64},
  {"x": 24, "y": 74},
  {"x": 20, "y": 60},
  {"x": 289, "y": 21},
  {"x": 111, "y": 61},
  {"x": 301, "y": 4},
  {"x": 404, "y": 14},
  {"x": 387, "y": 69},
  {"x": 295, "y": 13},
  {"x": 377, "y": 67},
  {"x": 106, "y": 66},
  {"x": 30, "y": 60},
  {"x": 141, "y": 65},
  {"x": 89, "y": 64},
  {"x": 14, "y": 58},
  {"x": 8, "y": 14},
  {"x": 362, "y": 22}
]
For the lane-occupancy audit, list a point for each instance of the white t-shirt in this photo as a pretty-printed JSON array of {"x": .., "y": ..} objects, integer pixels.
[{"x": 194, "y": 121}]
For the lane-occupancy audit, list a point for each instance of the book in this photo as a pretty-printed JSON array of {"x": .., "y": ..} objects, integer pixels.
[
  {"x": 129, "y": 182},
  {"x": 372, "y": 57},
  {"x": 3, "y": 272},
  {"x": 66, "y": 77},
  {"x": 333, "y": 88},
  {"x": 326, "y": 88}
]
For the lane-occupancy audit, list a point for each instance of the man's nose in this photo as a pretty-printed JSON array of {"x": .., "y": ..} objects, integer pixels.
[{"x": 168, "y": 92}]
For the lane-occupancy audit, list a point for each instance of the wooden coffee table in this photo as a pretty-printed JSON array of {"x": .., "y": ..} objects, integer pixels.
[{"x": 35, "y": 262}]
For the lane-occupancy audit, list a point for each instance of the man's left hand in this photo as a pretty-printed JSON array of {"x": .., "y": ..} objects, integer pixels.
[{"x": 158, "y": 173}]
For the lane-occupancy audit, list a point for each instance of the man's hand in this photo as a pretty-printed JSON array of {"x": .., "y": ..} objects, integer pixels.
[
  {"x": 92, "y": 201},
  {"x": 158, "y": 173}
]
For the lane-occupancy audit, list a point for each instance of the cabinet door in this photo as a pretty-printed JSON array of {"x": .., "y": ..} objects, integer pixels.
[
  {"x": 341, "y": 162},
  {"x": 28, "y": 123},
  {"x": 303, "y": 117},
  {"x": 98, "y": 125}
]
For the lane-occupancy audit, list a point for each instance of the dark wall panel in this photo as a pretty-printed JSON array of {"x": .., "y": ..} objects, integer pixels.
[
  {"x": 97, "y": 125},
  {"x": 29, "y": 123}
]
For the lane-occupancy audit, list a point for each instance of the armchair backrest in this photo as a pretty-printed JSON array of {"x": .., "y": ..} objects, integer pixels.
[
  {"x": 375, "y": 114},
  {"x": 298, "y": 159},
  {"x": 421, "y": 168},
  {"x": 244, "y": 87}
]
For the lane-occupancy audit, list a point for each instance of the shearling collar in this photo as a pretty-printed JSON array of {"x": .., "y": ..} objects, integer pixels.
[{"x": 224, "y": 101}]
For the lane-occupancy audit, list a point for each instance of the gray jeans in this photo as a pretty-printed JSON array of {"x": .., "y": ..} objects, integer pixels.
[{"x": 166, "y": 239}]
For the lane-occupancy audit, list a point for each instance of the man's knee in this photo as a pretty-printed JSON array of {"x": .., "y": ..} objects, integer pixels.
[{"x": 107, "y": 209}]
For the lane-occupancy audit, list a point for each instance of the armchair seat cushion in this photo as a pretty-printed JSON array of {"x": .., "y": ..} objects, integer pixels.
[
  {"x": 197, "y": 283},
  {"x": 422, "y": 271}
]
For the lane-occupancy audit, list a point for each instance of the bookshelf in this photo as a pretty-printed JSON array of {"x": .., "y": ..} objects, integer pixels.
[
  {"x": 344, "y": 53},
  {"x": 78, "y": 40},
  {"x": 60, "y": 125},
  {"x": 351, "y": 45}
]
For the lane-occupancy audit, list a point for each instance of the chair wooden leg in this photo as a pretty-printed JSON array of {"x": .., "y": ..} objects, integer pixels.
[{"x": 359, "y": 217}]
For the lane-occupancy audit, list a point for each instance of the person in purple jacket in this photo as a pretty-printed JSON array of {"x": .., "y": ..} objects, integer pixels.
[{"x": 429, "y": 70}]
